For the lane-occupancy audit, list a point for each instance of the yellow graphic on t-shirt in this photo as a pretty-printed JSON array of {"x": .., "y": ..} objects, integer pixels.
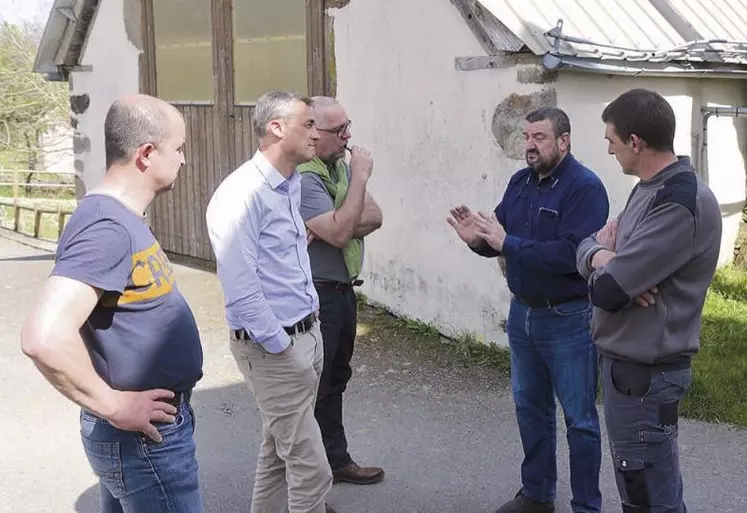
[{"x": 152, "y": 276}]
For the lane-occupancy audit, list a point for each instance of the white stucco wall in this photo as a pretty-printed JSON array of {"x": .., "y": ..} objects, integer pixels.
[
  {"x": 114, "y": 62},
  {"x": 429, "y": 127}
]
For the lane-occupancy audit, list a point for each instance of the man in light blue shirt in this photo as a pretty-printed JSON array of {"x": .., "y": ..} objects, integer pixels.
[{"x": 259, "y": 240}]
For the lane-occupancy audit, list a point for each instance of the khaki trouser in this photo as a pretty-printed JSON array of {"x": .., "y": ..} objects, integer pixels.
[{"x": 292, "y": 467}]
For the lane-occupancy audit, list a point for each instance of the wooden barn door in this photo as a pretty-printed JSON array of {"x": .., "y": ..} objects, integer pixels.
[{"x": 212, "y": 59}]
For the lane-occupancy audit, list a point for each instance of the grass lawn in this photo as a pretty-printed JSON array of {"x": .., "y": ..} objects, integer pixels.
[
  {"x": 719, "y": 389},
  {"x": 376, "y": 325}
]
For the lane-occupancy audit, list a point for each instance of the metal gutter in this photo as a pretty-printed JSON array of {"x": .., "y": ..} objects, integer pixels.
[{"x": 643, "y": 68}]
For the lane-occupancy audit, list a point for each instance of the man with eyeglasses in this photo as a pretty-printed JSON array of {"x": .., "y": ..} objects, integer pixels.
[
  {"x": 547, "y": 209},
  {"x": 338, "y": 213}
]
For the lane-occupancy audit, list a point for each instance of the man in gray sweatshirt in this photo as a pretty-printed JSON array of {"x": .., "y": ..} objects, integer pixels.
[{"x": 649, "y": 271}]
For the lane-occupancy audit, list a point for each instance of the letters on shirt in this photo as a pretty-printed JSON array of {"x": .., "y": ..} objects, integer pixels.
[{"x": 152, "y": 276}]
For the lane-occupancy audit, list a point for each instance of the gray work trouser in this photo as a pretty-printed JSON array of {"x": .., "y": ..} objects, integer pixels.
[{"x": 641, "y": 412}]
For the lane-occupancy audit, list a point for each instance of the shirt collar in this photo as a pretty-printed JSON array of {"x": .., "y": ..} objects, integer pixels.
[
  {"x": 681, "y": 164},
  {"x": 272, "y": 175}
]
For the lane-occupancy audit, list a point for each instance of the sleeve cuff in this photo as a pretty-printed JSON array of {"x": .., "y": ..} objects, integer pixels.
[
  {"x": 511, "y": 246},
  {"x": 484, "y": 249},
  {"x": 277, "y": 343},
  {"x": 590, "y": 255}
]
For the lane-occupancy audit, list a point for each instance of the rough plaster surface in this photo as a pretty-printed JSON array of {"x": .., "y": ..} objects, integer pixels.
[
  {"x": 79, "y": 103},
  {"x": 81, "y": 144},
  {"x": 509, "y": 115},
  {"x": 535, "y": 74}
]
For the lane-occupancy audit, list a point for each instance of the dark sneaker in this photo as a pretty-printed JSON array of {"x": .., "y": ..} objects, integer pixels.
[{"x": 522, "y": 504}]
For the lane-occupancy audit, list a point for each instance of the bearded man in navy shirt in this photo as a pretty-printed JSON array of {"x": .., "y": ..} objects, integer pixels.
[{"x": 547, "y": 209}]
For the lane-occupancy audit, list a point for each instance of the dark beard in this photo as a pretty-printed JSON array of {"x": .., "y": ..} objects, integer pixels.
[{"x": 543, "y": 168}]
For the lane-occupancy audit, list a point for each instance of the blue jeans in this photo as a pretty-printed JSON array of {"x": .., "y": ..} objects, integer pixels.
[
  {"x": 138, "y": 475},
  {"x": 552, "y": 353}
]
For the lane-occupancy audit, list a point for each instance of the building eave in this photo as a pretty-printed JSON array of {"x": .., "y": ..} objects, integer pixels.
[{"x": 64, "y": 38}]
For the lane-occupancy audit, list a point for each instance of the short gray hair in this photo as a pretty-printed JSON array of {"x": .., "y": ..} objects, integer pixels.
[
  {"x": 132, "y": 122},
  {"x": 274, "y": 105},
  {"x": 320, "y": 103}
]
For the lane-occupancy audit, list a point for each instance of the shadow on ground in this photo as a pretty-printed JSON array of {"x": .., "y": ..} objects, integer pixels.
[{"x": 411, "y": 419}]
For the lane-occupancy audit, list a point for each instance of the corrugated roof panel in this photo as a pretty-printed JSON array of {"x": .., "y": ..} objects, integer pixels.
[
  {"x": 633, "y": 24},
  {"x": 714, "y": 19}
]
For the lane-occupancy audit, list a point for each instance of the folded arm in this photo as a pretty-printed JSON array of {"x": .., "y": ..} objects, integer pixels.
[
  {"x": 334, "y": 226},
  {"x": 371, "y": 218},
  {"x": 659, "y": 246}
]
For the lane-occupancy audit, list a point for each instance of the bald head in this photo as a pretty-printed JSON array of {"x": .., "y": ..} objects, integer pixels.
[{"x": 133, "y": 121}]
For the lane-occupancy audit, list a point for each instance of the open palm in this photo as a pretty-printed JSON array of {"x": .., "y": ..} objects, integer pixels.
[{"x": 464, "y": 223}]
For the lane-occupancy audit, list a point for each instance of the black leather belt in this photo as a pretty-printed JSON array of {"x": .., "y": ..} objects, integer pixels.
[
  {"x": 337, "y": 286},
  {"x": 301, "y": 326},
  {"x": 547, "y": 303},
  {"x": 180, "y": 398}
]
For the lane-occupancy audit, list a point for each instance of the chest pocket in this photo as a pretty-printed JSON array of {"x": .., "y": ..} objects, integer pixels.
[{"x": 548, "y": 220}]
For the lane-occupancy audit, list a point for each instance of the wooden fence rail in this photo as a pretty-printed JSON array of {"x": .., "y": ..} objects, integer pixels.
[{"x": 39, "y": 207}]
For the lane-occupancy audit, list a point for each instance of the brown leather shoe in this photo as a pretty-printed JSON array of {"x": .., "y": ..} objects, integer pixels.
[
  {"x": 355, "y": 474},
  {"x": 328, "y": 508}
]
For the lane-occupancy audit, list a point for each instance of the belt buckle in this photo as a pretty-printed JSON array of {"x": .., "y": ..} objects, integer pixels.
[{"x": 307, "y": 322}]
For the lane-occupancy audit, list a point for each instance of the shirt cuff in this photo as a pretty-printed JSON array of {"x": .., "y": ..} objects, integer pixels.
[
  {"x": 277, "y": 343},
  {"x": 511, "y": 246}
]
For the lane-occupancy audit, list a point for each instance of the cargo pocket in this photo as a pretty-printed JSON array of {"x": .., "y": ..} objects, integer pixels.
[
  {"x": 106, "y": 462},
  {"x": 631, "y": 481},
  {"x": 630, "y": 378}
]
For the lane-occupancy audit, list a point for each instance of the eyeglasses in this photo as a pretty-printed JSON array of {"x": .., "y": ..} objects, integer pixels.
[{"x": 340, "y": 131}]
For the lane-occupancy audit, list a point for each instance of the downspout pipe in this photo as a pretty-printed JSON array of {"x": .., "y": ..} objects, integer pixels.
[{"x": 735, "y": 112}]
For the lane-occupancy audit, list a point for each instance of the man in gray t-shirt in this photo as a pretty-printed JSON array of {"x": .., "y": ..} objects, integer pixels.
[
  {"x": 338, "y": 213},
  {"x": 649, "y": 271},
  {"x": 111, "y": 330}
]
